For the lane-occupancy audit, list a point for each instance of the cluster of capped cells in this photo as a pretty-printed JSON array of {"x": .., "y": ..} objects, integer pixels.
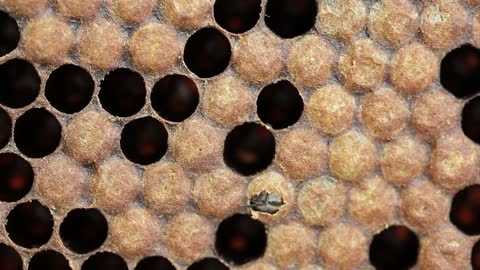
[{"x": 239, "y": 134}]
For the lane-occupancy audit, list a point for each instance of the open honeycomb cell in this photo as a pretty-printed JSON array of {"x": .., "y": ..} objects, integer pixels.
[{"x": 239, "y": 134}]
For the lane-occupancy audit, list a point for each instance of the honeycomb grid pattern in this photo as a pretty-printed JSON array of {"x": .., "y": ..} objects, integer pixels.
[{"x": 361, "y": 194}]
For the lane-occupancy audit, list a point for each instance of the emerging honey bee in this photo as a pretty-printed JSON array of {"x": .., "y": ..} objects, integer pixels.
[{"x": 266, "y": 203}]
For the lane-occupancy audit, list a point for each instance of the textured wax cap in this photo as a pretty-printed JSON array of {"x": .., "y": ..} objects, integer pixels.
[
  {"x": 454, "y": 161},
  {"x": 435, "y": 113},
  {"x": 373, "y": 203},
  {"x": 258, "y": 57},
  {"x": 393, "y": 22},
  {"x": 97, "y": 37},
  {"x": 197, "y": 145},
  {"x": 114, "y": 185},
  {"x": 403, "y": 159},
  {"x": 331, "y": 109},
  {"x": 79, "y": 9},
  {"x": 352, "y": 156},
  {"x": 219, "y": 193},
  {"x": 148, "y": 48},
  {"x": 322, "y": 201},
  {"x": 444, "y": 24},
  {"x": 186, "y": 13},
  {"x": 25, "y": 7},
  {"x": 48, "y": 40},
  {"x": 311, "y": 61},
  {"x": 446, "y": 248},
  {"x": 342, "y": 19},
  {"x": 135, "y": 232},
  {"x": 362, "y": 66},
  {"x": 302, "y": 154},
  {"x": 343, "y": 245},
  {"x": 166, "y": 187},
  {"x": 257, "y": 265},
  {"x": 383, "y": 113},
  {"x": 85, "y": 142},
  {"x": 414, "y": 68},
  {"x": 227, "y": 100},
  {"x": 432, "y": 201},
  {"x": 60, "y": 181},
  {"x": 188, "y": 236},
  {"x": 292, "y": 244},
  {"x": 132, "y": 11}
]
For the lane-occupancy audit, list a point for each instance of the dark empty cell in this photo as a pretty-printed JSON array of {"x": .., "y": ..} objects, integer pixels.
[
  {"x": 290, "y": 18},
  {"x": 122, "y": 92},
  {"x": 249, "y": 148},
  {"x": 395, "y": 248},
  {"x": 104, "y": 261},
  {"x": 19, "y": 83},
  {"x": 5, "y": 128},
  {"x": 30, "y": 224},
  {"x": 144, "y": 141},
  {"x": 279, "y": 105},
  {"x": 9, "y": 258},
  {"x": 237, "y": 16},
  {"x": 84, "y": 230},
  {"x": 9, "y": 34},
  {"x": 475, "y": 256},
  {"x": 241, "y": 239},
  {"x": 16, "y": 177},
  {"x": 471, "y": 119},
  {"x": 48, "y": 260},
  {"x": 37, "y": 133},
  {"x": 460, "y": 71},
  {"x": 175, "y": 97},
  {"x": 465, "y": 210},
  {"x": 69, "y": 88},
  {"x": 155, "y": 263},
  {"x": 207, "y": 53},
  {"x": 208, "y": 264}
]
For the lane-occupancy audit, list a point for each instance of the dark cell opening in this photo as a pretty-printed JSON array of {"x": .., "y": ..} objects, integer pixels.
[
  {"x": 5, "y": 128},
  {"x": 144, "y": 141},
  {"x": 395, "y": 248},
  {"x": 84, "y": 230},
  {"x": 155, "y": 263},
  {"x": 9, "y": 258},
  {"x": 16, "y": 177},
  {"x": 37, "y": 133},
  {"x": 460, "y": 71},
  {"x": 290, "y": 18},
  {"x": 249, "y": 148},
  {"x": 241, "y": 239},
  {"x": 48, "y": 260},
  {"x": 207, "y": 53},
  {"x": 237, "y": 16},
  {"x": 30, "y": 224},
  {"x": 208, "y": 264},
  {"x": 175, "y": 97},
  {"x": 122, "y": 92},
  {"x": 104, "y": 261},
  {"x": 19, "y": 83},
  {"x": 69, "y": 88},
  {"x": 465, "y": 210},
  {"x": 9, "y": 34},
  {"x": 475, "y": 256},
  {"x": 279, "y": 105},
  {"x": 471, "y": 119}
]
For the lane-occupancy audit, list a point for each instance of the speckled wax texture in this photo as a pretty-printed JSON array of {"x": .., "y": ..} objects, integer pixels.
[{"x": 379, "y": 141}]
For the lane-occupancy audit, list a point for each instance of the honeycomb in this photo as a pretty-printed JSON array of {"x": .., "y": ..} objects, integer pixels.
[{"x": 239, "y": 134}]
